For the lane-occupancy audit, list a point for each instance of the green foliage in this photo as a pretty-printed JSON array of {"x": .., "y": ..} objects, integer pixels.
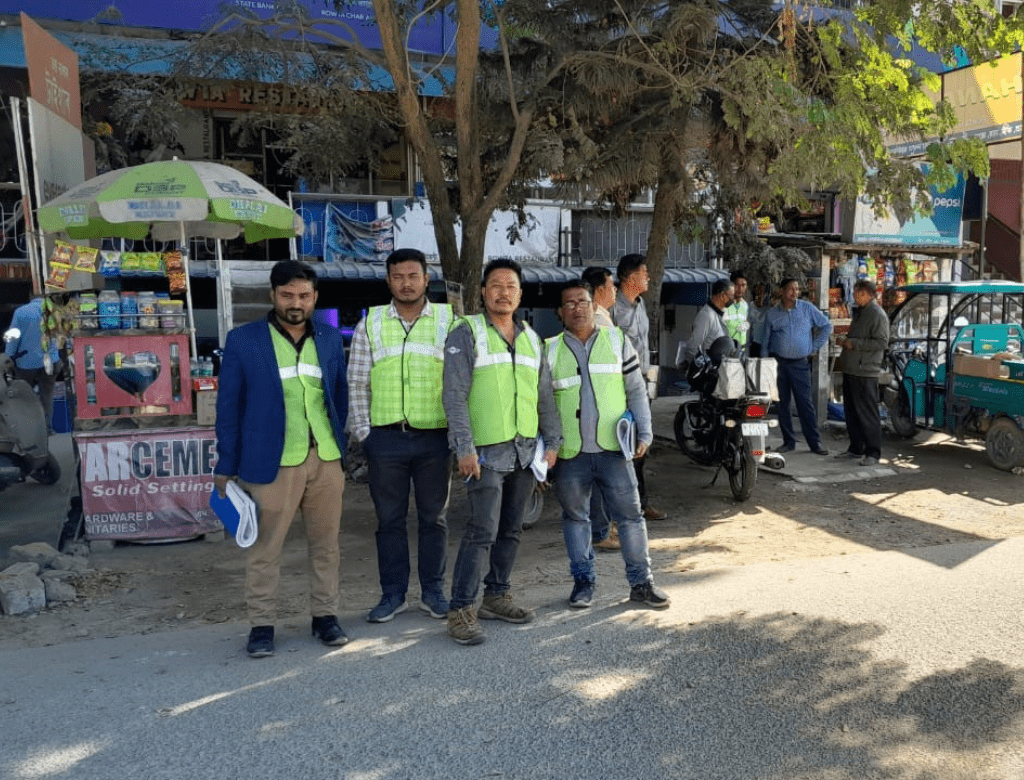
[{"x": 712, "y": 104}]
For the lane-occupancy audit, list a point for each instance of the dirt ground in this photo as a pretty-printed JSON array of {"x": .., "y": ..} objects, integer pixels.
[{"x": 943, "y": 493}]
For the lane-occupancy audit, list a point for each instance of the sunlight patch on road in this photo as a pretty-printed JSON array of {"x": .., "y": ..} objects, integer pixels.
[
  {"x": 944, "y": 507},
  {"x": 56, "y": 761},
  {"x": 606, "y": 686},
  {"x": 183, "y": 709}
]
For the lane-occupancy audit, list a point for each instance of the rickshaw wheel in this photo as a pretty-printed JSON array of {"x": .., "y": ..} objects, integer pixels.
[
  {"x": 1004, "y": 443},
  {"x": 902, "y": 420}
]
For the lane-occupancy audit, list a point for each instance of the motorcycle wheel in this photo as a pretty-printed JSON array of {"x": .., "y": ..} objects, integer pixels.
[
  {"x": 48, "y": 473},
  {"x": 534, "y": 508},
  {"x": 684, "y": 435},
  {"x": 743, "y": 478}
]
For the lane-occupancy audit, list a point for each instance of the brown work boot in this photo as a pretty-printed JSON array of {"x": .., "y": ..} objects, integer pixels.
[
  {"x": 501, "y": 607},
  {"x": 654, "y": 514},
  {"x": 611, "y": 542},
  {"x": 463, "y": 628}
]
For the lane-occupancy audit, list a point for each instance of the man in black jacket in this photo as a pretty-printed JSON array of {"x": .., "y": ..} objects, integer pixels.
[{"x": 861, "y": 362}]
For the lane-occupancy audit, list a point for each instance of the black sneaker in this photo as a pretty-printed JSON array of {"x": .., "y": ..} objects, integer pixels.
[
  {"x": 582, "y": 595},
  {"x": 327, "y": 630},
  {"x": 649, "y": 594},
  {"x": 261, "y": 642}
]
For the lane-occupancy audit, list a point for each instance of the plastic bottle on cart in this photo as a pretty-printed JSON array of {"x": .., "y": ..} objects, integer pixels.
[
  {"x": 109, "y": 305},
  {"x": 87, "y": 307},
  {"x": 148, "y": 317},
  {"x": 175, "y": 373},
  {"x": 207, "y": 366},
  {"x": 129, "y": 310},
  {"x": 90, "y": 375}
]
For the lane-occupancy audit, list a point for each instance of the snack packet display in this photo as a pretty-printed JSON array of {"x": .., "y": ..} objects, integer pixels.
[
  {"x": 175, "y": 271},
  {"x": 85, "y": 259},
  {"x": 60, "y": 266},
  {"x": 110, "y": 263},
  {"x": 151, "y": 264},
  {"x": 131, "y": 262}
]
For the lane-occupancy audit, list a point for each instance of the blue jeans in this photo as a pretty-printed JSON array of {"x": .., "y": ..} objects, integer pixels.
[
  {"x": 795, "y": 382},
  {"x": 613, "y": 476},
  {"x": 397, "y": 459},
  {"x": 600, "y": 524},
  {"x": 497, "y": 506}
]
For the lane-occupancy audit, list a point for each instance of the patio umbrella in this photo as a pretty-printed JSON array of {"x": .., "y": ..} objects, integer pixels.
[{"x": 171, "y": 200}]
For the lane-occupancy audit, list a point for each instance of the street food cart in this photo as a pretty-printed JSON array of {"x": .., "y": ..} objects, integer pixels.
[{"x": 145, "y": 457}]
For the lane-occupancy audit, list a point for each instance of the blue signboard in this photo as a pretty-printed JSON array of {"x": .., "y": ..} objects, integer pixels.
[
  {"x": 433, "y": 34},
  {"x": 944, "y": 227}
]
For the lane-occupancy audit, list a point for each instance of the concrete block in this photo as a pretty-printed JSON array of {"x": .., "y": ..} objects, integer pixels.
[
  {"x": 37, "y": 552},
  {"x": 21, "y": 593}
]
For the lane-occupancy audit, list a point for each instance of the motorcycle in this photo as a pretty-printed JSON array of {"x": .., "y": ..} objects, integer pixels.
[
  {"x": 24, "y": 449},
  {"x": 729, "y": 433}
]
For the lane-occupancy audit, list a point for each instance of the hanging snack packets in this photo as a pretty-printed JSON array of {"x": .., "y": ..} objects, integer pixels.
[
  {"x": 60, "y": 266},
  {"x": 910, "y": 269},
  {"x": 151, "y": 264},
  {"x": 175, "y": 272},
  {"x": 131, "y": 263},
  {"x": 110, "y": 263},
  {"x": 85, "y": 259}
]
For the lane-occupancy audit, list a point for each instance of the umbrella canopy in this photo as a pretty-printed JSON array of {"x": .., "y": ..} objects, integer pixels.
[{"x": 170, "y": 200}]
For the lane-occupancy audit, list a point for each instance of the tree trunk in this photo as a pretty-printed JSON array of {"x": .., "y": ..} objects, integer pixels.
[
  {"x": 476, "y": 203},
  {"x": 671, "y": 187},
  {"x": 417, "y": 132},
  {"x": 474, "y": 235}
]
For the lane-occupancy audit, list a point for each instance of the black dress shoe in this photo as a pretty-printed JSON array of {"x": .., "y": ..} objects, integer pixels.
[
  {"x": 786, "y": 448},
  {"x": 327, "y": 630},
  {"x": 261, "y": 642}
]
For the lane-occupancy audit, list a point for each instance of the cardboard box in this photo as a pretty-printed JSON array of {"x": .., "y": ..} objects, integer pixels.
[
  {"x": 206, "y": 407},
  {"x": 989, "y": 366}
]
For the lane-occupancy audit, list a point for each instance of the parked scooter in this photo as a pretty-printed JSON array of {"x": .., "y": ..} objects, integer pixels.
[
  {"x": 24, "y": 451},
  {"x": 729, "y": 433}
]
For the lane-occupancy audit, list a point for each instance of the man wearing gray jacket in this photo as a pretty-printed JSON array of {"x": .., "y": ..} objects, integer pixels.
[{"x": 861, "y": 362}]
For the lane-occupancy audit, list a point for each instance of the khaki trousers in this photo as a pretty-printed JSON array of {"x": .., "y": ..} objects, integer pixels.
[{"x": 315, "y": 487}]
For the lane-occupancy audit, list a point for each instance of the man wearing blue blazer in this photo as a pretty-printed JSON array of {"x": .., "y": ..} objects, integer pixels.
[{"x": 281, "y": 411}]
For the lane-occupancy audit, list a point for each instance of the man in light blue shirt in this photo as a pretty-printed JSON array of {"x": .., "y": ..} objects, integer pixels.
[
  {"x": 32, "y": 364},
  {"x": 794, "y": 332}
]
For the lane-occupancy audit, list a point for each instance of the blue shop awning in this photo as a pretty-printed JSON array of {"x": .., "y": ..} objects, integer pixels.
[{"x": 154, "y": 56}]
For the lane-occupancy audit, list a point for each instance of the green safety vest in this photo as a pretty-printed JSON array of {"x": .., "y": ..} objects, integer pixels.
[
  {"x": 605, "y": 368},
  {"x": 304, "y": 408},
  {"x": 733, "y": 316},
  {"x": 407, "y": 370},
  {"x": 503, "y": 398}
]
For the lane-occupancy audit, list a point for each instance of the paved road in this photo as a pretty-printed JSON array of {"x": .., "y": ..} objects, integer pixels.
[{"x": 882, "y": 665}]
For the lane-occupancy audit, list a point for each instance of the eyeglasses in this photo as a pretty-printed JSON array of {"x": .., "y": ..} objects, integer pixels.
[{"x": 573, "y": 305}]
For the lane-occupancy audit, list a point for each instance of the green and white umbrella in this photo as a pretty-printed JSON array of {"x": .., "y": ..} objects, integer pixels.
[
  {"x": 170, "y": 200},
  {"x": 173, "y": 200}
]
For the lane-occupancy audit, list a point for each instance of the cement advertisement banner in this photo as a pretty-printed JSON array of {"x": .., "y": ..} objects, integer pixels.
[{"x": 148, "y": 484}]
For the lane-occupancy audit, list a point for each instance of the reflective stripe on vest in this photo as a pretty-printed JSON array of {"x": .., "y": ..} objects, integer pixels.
[
  {"x": 605, "y": 368},
  {"x": 503, "y": 397},
  {"x": 407, "y": 368},
  {"x": 304, "y": 406}
]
